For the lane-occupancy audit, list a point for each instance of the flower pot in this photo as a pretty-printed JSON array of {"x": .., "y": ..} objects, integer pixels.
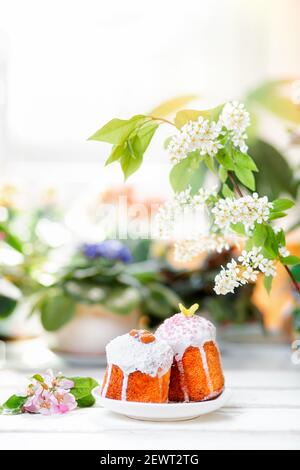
[
  {"x": 90, "y": 330},
  {"x": 19, "y": 325}
]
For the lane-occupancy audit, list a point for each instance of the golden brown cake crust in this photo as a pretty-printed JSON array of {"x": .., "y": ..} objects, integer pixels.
[
  {"x": 114, "y": 388},
  {"x": 140, "y": 387},
  {"x": 175, "y": 390},
  {"x": 195, "y": 379}
]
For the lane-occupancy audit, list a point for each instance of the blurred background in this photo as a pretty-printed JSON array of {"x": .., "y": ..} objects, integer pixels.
[{"x": 67, "y": 67}]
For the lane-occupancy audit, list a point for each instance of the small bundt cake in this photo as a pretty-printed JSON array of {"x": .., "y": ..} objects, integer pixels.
[
  {"x": 138, "y": 368},
  {"x": 196, "y": 372}
]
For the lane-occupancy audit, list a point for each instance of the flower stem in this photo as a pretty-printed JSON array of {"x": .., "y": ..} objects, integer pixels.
[
  {"x": 163, "y": 120},
  {"x": 235, "y": 184},
  {"x": 239, "y": 192},
  {"x": 297, "y": 287}
]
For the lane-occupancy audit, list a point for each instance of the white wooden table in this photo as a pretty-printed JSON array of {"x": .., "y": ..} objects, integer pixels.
[{"x": 263, "y": 412}]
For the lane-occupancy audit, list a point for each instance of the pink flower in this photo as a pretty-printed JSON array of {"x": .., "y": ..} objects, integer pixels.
[
  {"x": 65, "y": 401},
  {"x": 44, "y": 403},
  {"x": 64, "y": 383},
  {"x": 48, "y": 403},
  {"x": 58, "y": 380},
  {"x": 49, "y": 394}
]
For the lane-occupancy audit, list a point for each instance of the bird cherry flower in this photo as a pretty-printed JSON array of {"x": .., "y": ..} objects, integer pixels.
[
  {"x": 284, "y": 252},
  {"x": 247, "y": 210},
  {"x": 236, "y": 119},
  {"x": 236, "y": 274},
  {"x": 202, "y": 135},
  {"x": 183, "y": 206}
]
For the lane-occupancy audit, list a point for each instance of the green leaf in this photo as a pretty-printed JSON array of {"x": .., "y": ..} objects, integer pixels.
[
  {"x": 239, "y": 228},
  {"x": 223, "y": 174},
  {"x": 246, "y": 177},
  {"x": 268, "y": 283},
  {"x": 277, "y": 215},
  {"x": 167, "y": 141},
  {"x": 186, "y": 115},
  {"x": 189, "y": 172},
  {"x": 290, "y": 260},
  {"x": 11, "y": 239},
  {"x": 82, "y": 390},
  {"x": 132, "y": 156},
  {"x": 275, "y": 176},
  {"x": 243, "y": 160},
  {"x": 116, "y": 154},
  {"x": 296, "y": 272},
  {"x": 56, "y": 311},
  {"x": 227, "y": 192},
  {"x": 270, "y": 246},
  {"x": 182, "y": 117},
  {"x": 122, "y": 300},
  {"x": 280, "y": 236},
  {"x": 86, "y": 402},
  {"x": 225, "y": 159},
  {"x": 272, "y": 96},
  {"x": 117, "y": 131},
  {"x": 130, "y": 164},
  {"x": 260, "y": 234},
  {"x": 249, "y": 244},
  {"x": 143, "y": 137},
  {"x": 210, "y": 163},
  {"x": 280, "y": 205},
  {"x": 161, "y": 301},
  {"x": 13, "y": 405},
  {"x": 39, "y": 378},
  {"x": 171, "y": 106},
  {"x": 7, "y": 306}
]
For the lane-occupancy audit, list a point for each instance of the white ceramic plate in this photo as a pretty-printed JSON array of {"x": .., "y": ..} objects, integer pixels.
[{"x": 165, "y": 411}]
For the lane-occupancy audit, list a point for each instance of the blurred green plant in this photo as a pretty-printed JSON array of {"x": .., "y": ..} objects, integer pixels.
[
  {"x": 23, "y": 253},
  {"x": 276, "y": 176},
  {"x": 111, "y": 275}
]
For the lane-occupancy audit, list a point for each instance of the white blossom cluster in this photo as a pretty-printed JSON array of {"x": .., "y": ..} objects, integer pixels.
[
  {"x": 236, "y": 120},
  {"x": 254, "y": 260},
  {"x": 183, "y": 207},
  {"x": 199, "y": 135},
  {"x": 236, "y": 274},
  {"x": 186, "y": 250},
  {"x": 247, "y": 210},
  {"x": 284, "y": 252},
  {"x": 205, "y": 135}
]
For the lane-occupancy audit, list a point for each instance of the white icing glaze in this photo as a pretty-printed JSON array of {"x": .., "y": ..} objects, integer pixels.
[
  {"x": 206, "y": 369},
  {"x": 183, "y": 386},
  {"x": 181, "y": 332},
  {"x": 104, "y": 391},
  {"x": 124, "y": 386},
  {"x": 131, "y": 355}
]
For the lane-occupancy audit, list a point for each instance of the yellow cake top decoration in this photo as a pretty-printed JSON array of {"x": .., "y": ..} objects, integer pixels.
[{"x": 188, "y": 312}]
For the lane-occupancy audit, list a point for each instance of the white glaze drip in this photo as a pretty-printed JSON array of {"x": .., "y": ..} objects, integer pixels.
[
  {"x": 124, "y": 387},
  {"x": 105, "y": 388},
  {"x": 183, "y": 386},
  {"x": 206, "y": 368}
]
